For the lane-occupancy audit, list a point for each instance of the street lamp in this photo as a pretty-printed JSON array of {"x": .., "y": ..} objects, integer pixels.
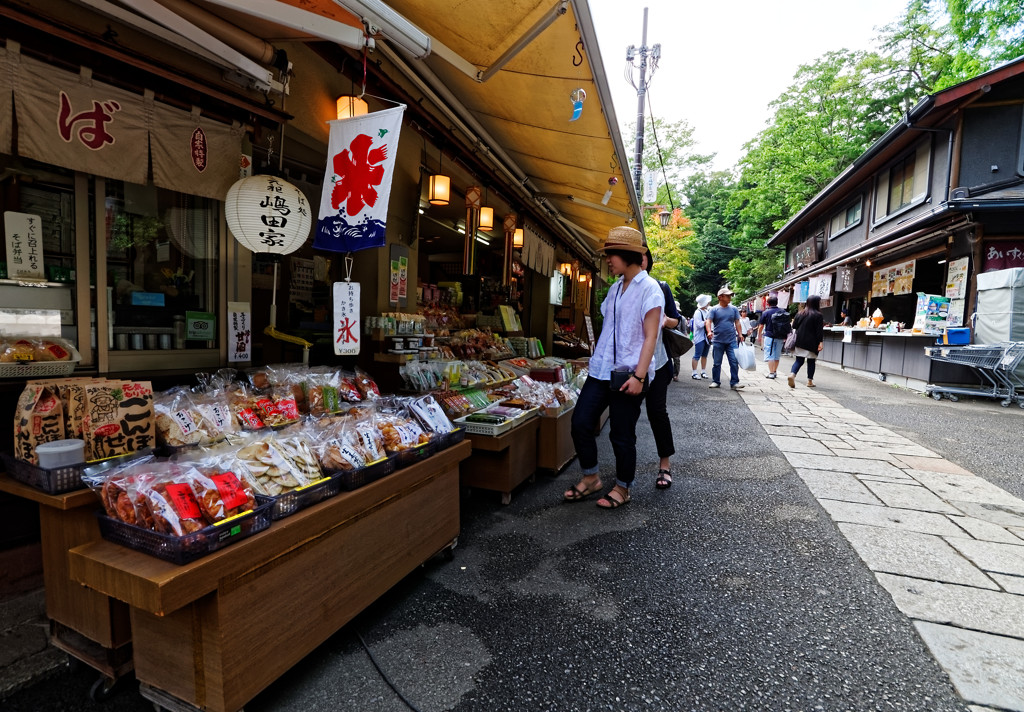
[{"x": 665, "y": 217}]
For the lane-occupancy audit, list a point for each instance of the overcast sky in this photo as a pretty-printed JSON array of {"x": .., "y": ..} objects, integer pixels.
[{"x": 723, "y": 61}]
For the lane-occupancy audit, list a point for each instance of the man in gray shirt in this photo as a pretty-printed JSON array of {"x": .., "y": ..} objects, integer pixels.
[{"x": 724, "y": 333}]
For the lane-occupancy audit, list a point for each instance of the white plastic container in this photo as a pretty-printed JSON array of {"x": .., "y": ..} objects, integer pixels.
[{"x": 59, "y": 453}]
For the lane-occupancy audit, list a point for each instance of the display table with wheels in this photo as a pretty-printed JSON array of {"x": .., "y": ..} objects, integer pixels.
[
  {"x": 502, "y": 462},
  {"x": 91, "y": 627},
  {"x": 213, "y": 633},
  {"x": 555, "y": 448}
]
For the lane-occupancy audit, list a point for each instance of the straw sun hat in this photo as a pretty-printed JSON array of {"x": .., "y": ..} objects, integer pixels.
[{"x": 624, "y": 238}]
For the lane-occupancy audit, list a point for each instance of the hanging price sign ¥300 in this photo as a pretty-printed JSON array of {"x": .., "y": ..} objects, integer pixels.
[{"x": 346, "y": 318}]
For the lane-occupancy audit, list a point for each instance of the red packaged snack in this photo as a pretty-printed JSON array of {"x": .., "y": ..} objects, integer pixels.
[
  {"x": 168, "y": 505},
  {"x": 367, "y": 386},
  {"x": 221, "y": 494}
]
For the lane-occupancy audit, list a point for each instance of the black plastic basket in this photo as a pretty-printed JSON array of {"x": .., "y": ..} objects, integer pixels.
[
  {"x": 52, "y": 481},
  {"x": 291, "y": 502},
  {"x": 188, "y": 548},
  {"x": 349, "y": 480},
  {"x": 446, "y": 440},
  {"x": 404, "y": 458}
]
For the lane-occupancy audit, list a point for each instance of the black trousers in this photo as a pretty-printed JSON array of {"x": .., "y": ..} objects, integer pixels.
[{"x": 657, "y": 412}]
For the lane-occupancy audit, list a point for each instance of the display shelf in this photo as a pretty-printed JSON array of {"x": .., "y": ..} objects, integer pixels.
[
  {"x": 202, "y": 611},
  {"x": 555, "y": 448},
  {"x": 501, "y": 463}
]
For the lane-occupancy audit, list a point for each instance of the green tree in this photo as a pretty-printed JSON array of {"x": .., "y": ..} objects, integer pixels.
[{"x": 673, "y": 249}]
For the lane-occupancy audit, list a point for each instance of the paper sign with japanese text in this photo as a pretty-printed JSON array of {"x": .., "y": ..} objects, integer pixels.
[
  {"x": 394, "y": 280},
  {"x": 956, "y": 278},
  {"x": 239, "y": 332},
  {"x": 24, "y": 233},
  {"x": 346, "y": 318}
]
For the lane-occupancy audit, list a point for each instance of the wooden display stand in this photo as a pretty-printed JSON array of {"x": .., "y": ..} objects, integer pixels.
[
  {"x": 555, "y": 448},
  {"x": 85, "y": 624},
  {"x": 213, "y": 633},
  {"x": 501, "y": 463}
]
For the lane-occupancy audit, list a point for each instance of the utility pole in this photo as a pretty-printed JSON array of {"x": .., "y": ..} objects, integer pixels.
[{"x": 641, "y": 92}]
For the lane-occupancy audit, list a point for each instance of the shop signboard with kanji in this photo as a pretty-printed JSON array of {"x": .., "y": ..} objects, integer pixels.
[
  {"x": 239, "y": 332},
  {"x": 24, "y": 236},
  {"x": 346, "y": 318}
]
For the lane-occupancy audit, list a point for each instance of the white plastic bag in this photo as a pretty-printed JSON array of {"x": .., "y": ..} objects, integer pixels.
[{"x": 745, "y": 356}]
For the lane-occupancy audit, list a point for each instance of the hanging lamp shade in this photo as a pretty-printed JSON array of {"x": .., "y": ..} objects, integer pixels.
[
  {"x": 268, "y": 214},
  {"x": 486, "y": 218},
  {"x": 440, "y": 189},
  {"x": 349, "y": 106},
  {"x": 517, "y": 238}
]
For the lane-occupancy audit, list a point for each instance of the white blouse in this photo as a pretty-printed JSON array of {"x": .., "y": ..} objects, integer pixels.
[{"x": 622, "y": 333}]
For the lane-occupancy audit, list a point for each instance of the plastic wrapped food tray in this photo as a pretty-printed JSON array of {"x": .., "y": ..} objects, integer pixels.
[
  {"x": 188, "y": 548},
  {"x": 349, "y": 480},
  {"x": 498, "y": 429},
  {"x": 52, "y": 481},
  {"x": 404, "y": 458},
  {"x": 35, "y": 369},
  {"x": 291, "y": 502}
]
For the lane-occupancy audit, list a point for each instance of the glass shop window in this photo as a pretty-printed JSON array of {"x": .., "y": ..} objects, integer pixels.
[{"x": 161, "y": 266}]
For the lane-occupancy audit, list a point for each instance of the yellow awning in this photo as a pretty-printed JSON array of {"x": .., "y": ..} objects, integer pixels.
[{"x": 526, "y": 106}]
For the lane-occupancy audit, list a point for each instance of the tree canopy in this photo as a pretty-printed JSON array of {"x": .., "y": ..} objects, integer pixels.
[{"x": 835, "y": 108}]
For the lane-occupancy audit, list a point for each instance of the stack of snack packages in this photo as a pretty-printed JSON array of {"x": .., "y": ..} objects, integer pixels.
[
  {"x": 267, "y": 431},
  {"x": 113, "y": 417}
]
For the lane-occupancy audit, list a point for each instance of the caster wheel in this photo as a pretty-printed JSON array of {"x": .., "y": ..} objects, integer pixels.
[
  {"x": 937, "y": 396},
  {"x": 881, "y": 377},
  {"x": 103, "y": 689},
  {"x": 1005, "y": 403},
  {"x": 954, "y": 398}
]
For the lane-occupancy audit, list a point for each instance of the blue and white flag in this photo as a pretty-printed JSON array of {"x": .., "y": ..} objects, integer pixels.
[{"x": 357, "y": 184}]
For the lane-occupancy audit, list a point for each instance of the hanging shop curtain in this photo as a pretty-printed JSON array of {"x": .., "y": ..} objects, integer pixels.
[
  {"x": 69, "y": 120},
  {"x": 6, "y": 87},
  {"x": 193, "y": 154}
]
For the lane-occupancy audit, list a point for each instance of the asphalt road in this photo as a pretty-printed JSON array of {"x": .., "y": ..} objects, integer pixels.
[{"x": 733, "y": 590}]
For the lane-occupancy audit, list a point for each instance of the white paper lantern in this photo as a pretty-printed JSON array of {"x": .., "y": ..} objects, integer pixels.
[{"x": 268, "y": 214}]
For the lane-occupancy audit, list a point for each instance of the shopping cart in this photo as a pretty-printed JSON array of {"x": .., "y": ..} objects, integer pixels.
[{"x": 995, "y": 365}]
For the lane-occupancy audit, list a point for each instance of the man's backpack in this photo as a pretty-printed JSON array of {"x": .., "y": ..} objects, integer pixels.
[{"x": 782, "y": 324}]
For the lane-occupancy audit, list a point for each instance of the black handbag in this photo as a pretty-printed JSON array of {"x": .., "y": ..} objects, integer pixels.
[
  {"x": 620, "y": 378},
  {"x": 676, "y": 342}
]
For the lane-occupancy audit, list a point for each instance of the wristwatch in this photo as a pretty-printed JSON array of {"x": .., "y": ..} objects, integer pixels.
[{"x": 632, "y": 374}]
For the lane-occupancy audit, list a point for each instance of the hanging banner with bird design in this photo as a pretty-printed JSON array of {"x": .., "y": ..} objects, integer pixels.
[{"x": 357, "y": 183}]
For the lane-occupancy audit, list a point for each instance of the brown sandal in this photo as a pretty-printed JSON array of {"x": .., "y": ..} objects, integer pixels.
[
  {"x": 580, "y": 492},
  {"x": 614, "y": 502}
]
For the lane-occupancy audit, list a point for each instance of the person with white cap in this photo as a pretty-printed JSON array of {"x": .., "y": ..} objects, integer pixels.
[
  {"x": 619, "y": 370},
  {"x": 725, "y": 334},
  {"x": 701, "y": 344}
]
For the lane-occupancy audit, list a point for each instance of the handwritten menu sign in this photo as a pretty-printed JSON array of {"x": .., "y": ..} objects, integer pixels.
[
  {"x": 240, "y": 332},
  {"x": 24, "y": 233},
  {"x": 346, "y": 318}
]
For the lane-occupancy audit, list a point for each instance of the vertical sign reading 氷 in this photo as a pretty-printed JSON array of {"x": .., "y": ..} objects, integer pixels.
[
  {"x": 357, "y": 183},
  {"x": 24, "y": 245},
  {"x": 240, "y": 332},
  {"x": 346, "y": 318}
]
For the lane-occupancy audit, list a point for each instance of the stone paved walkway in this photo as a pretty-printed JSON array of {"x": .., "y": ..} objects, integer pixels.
[{"x": 946, "y": 544}]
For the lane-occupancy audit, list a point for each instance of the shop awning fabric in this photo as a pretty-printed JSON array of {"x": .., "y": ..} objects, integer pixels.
[
  {"x": 509, "y": 69},
  {"x": 526, "y": 106}
]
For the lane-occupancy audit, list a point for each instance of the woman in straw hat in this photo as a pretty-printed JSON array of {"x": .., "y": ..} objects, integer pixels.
[{"x": 632, "y": 312}]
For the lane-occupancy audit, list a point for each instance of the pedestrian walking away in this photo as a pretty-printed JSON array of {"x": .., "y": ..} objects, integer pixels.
[
  {"x": 701, "y": 344},
  {"x": 657, "y": 394},
  {"x": 619, "y": 369},
  {"x": 773, "y": 332},
  {"x": 722, "y": 328},
  {"x": 810, "y": 339}
]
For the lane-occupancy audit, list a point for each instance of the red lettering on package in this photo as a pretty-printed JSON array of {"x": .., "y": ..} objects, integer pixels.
[
  {"x": 230, "y": 490},
  {"x": 183, "y": 499}
]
